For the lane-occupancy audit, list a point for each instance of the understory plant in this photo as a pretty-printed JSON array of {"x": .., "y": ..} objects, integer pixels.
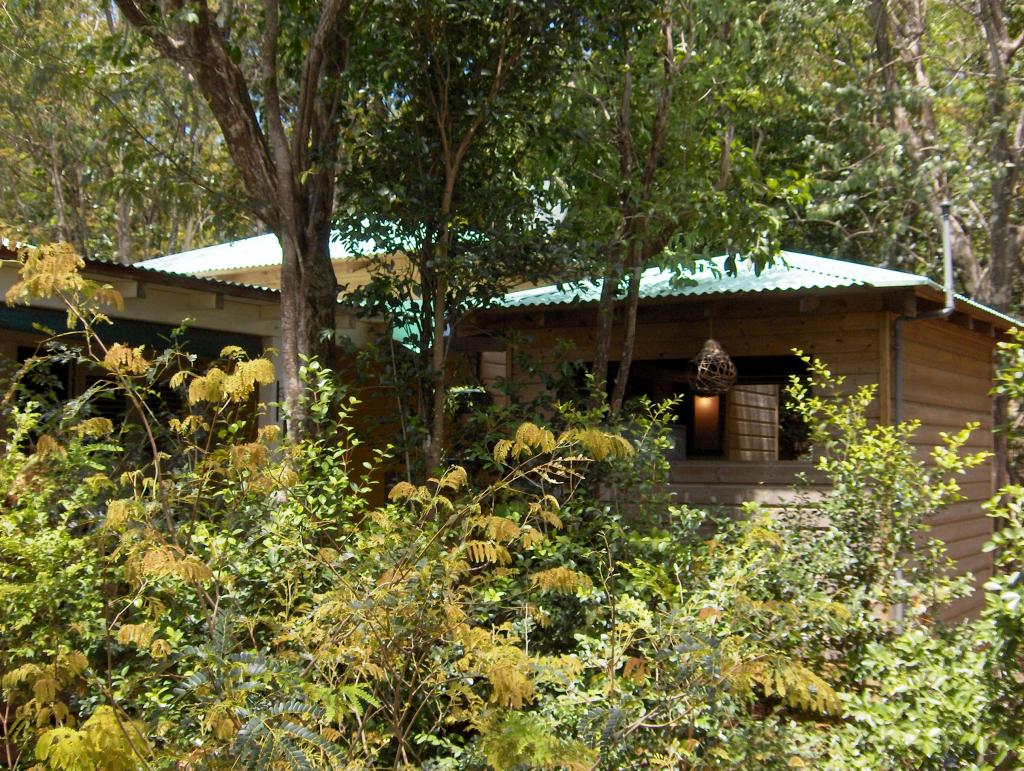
[{"x": 195, "y": 591}]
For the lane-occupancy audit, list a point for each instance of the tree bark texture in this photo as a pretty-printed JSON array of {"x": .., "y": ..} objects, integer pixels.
[
  {"x": 289, "y": 169},
  {"x": 899, "y": 31}
]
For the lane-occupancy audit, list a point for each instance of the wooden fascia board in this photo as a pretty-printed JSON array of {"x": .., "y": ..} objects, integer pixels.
[
  {"x": 156, "y": 277},
  {"x": 497, "y": 313},
  {"x": 936, "y": 299}
]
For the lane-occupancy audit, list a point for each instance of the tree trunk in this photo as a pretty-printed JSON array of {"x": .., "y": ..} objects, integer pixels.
[
  {"x": 59, "y": 204},
  {"x": 309, "y": 293},
  {"x": 899, "y": 46},
  {"x": 124, "y": 227},
  {"x": 629, "y": 331},
  {"x": 605, "y": 322},
  {"x": 435, "y": 441},
  {"x": 124, "y": 230},
  {"x": 290, "y": 180},
  {"x": 81, "y": 208},
  {"x": 634, "y": 229},
  {"x": 1004, "y": 242},
  {"x": 1005, "y": 155}
]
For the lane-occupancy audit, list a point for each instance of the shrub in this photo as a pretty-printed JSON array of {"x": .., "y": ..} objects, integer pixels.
[{"x": 198, "y": 591}]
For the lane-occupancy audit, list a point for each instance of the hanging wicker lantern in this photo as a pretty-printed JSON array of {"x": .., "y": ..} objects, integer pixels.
[{"x": 715, "y": 372}]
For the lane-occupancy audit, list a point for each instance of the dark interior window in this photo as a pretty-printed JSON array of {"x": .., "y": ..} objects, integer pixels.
[{"x": 702, "y": 423}]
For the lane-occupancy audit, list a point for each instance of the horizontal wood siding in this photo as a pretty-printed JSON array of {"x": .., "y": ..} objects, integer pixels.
[
  {"x": 843, "y": 331},
  {"x": 726, "y": 485},
  {"x": 494, "y": 368},
  {"x": 947, "y": 373}
]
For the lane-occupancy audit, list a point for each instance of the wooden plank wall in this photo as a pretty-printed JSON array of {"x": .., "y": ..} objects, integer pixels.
[
  {"x": 842, "y": 330},
  {"x": 494, "y": 367},
  {"x": 947, "y": 374},
  {"x": 848, "y": 332},
  {"x": 725, "y": 485}
]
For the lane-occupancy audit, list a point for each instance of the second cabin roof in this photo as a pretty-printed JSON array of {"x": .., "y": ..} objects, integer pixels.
[{"x": 790, "y": 272}]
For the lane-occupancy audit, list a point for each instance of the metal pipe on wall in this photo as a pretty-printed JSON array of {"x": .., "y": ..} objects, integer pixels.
[
  {"x": 899, "y": 611},
  {"x": 946, "y": 311}
]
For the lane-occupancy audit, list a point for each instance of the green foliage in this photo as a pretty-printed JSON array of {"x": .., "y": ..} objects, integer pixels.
[
  {"x": 231, "y": 599},
  {"x": 710, "y": 188},
  {"x": 102, "y": 147},
  {"x": 924, "y": 703},
  {"x": 882, "y": 495}
]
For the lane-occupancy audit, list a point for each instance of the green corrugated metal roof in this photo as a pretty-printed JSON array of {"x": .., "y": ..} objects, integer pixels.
[
  {"x": 256, "y": 252},
  {"x": 1013, "y": 322},
  {"x": 791, "y": 271}
]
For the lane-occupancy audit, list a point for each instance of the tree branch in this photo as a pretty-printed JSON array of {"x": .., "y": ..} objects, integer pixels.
[
  {"x": 285, "y": 176},
  {"x": 313, "y": 71},
  {"x": 203, "y": 52},
  {"x": 164, "y": 43}
]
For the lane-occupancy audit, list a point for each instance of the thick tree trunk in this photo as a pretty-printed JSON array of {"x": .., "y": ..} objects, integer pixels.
[
  {"x": 1005, "y": 154},
  {"x": 309, "y": 292},
  {"x": 289, "y": 171}
]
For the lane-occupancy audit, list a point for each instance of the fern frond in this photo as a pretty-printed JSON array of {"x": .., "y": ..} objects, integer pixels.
[
  {"x": 487, "y": 552},
  {"x": 501, "y": 529},
  {"x": 531, "y": 436},
  {"x": 561, "y": 579},
  {"x": 502, "y": 449}
]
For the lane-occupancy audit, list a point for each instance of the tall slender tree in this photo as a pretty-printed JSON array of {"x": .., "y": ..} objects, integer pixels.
[
  {"x": 663, "y": 111},
  {"x": 914, "y": 103},
  {"x": 454, "y": 108},
  {"x": 277, "y": 93},
  {"x": 102, "y": 148}
]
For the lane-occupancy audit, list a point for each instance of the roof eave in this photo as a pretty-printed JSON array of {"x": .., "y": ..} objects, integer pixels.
[
  {"x": 1002, "y": 322},
  {"x": 194, "y": 283},
  {"x": 717, "y": 296}
]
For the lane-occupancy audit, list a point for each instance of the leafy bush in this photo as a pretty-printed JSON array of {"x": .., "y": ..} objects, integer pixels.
[{"x": 199, "y": 591}]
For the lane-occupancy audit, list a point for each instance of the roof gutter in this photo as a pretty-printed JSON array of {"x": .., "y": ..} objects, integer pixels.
[{"x": 899, "y": 611}]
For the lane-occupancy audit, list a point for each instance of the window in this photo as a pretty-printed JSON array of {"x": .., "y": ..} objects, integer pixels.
[
  {"x": 751, "y": 422},
  {"x": 49, "y": 380}
]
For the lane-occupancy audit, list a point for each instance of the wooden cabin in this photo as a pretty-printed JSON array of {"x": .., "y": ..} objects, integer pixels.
[
  {"x": 868, "y": 324},
  {"x": 220, "y": 313}
]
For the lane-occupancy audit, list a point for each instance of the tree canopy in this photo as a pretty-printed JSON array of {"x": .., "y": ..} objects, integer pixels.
[
  {"x": 102, "y": 148},
  {"x": 492, "y": 144}
]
